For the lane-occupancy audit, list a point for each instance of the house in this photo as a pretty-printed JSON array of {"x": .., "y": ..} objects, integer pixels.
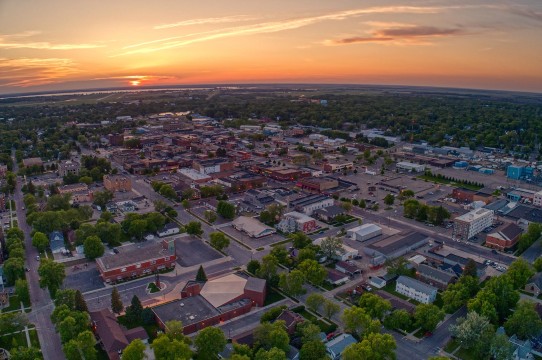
[
  {"x": 347, "y": 268},
  {"x": 168, "y": 229},
  {"x": 416, "y": 289},
  {"x": 336, "y": 277},
  {"x": 111, "y": 336},
  {"x": 56, "y": 242},
  {"x": 291, "y": 319},
  {"x": 435, "y": 277},
  {"x": 534, "y": 285},
  {"x": 336, "y": 346},
  {"x": 296, "y": 221},
  {"x": 505, "y": 238},
  {"x": 252, "y": 227},
  {"x": 364, "y": 232},
  {"x": 329, "y": 213},
  {"x": 377, "y": 282}
]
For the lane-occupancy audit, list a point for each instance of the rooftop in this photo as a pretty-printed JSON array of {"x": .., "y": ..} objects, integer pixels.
[
  {"x": 222, "y": 290},
  {"x": 393, "y": 243},
  {"x": 416, "y": 284},
  {"x": 474, "y": 215},
  {"x": 132, "y": 254},
  {"x": 189, "y": 310}
]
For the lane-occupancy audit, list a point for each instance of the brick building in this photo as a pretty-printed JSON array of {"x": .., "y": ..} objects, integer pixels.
[
  {"x": 505, "y": 238},
  {"x": 69, "y": 167},
  {"x": 136, "y": 260},
  {"x": 116, "y": 139},
  {"x": 115, "y": 183},
  {"x": 318, "y": 185}
]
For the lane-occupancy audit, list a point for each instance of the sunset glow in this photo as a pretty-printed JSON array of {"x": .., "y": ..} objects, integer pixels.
[{"x": 472, "y": 43}]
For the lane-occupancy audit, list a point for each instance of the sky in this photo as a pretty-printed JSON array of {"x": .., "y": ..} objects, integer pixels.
[{"x": 82, "y": 44}]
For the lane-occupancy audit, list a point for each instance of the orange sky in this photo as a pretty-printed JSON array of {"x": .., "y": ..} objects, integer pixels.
[{"x": 70, "y": 44}]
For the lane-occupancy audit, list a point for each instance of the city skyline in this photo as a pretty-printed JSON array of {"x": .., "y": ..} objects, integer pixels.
[{"x": 62, "y": 45}]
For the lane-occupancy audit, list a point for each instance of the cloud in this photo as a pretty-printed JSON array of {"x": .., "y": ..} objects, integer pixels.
[
  {"x": 281, "y": 25},
  {"x": 399, "y": 34},
  {"x": 24, "y": 72},
  {"x": 215, "y": 20},
  {"x": 12, "y": 41},
  {"x": 526, "y": 12}
]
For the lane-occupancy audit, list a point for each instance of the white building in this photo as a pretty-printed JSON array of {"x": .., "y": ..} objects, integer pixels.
[
  {"x": 168, "y": 229},
  {"x": 364, "y": 232},
  {"x": 408, "y": 166},
  {"x": 252, "y": 227},
  {"x": 308, "y": 204},
  {"x": 468, "y": 225},
  {"x": 296, "y": 221},
  {"x": 537, "y": 199},
  {"x": 416, "y": 289},
  {"x": 347, "y": 252}
]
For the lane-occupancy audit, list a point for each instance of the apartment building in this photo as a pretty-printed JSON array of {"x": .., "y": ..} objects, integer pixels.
[
  {"x": 115, "y": 183},
  {"x": 537, "y": 199},
  {"x": 468, "y": 225},
  {"x": 68, "y": 167},
  {"x": 416, "y": 290}
]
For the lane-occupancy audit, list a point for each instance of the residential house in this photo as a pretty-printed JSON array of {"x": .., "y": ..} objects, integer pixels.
[
  {"x": 168, "y": 229},
  {"x": 291, "y": 319},
  {"x": 534, "y": 285},
  {"x": 347, "y": 268},
  {"x": 435, "y": 277},
  {"x": 377, "y": 282},
  {"x": 336, "y": 346},
  {"x": 56, "y": 242},
  {"x": 329, "y": 213},
  {"x": 336, "y": 277}
]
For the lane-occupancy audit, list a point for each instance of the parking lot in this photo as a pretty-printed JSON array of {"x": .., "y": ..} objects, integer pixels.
[
  {"x": 192, "y": 251},
  {"x": 84, "y": 278},
  {"x": 199, "y": 211},
  {"x": 252, "y": 242}
]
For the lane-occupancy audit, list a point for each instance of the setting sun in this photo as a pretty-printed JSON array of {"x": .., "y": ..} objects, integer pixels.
[{"x": 135, "y": 82}]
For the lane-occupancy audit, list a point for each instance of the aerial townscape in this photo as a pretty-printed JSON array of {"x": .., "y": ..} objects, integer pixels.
[{"x": 281, "y": 185}]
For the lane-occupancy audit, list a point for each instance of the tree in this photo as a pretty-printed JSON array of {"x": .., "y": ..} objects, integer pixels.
[
  {"x": 24, "y": 353},
  {"x": 51, "y": 274},
  {"x": 374, "y": 346},
  {"x": 308, "y": 331},
  {"x": 272, "y": 335},
  {"x": 194, "y": 228},
  {"x": 300, "y": 240},
  {"x": 268, "y": 269},
  {"x": 306, "y": 254},
  {"x": 210, "y": 216},
  {"x": 201, "y": 276},
  {"x": 330, "y": 308},
  {"x": 209, "y": 342},
  {"x": 398, "y": 319},
  {"x": 40, "y": 241},
  {"x": 359, "y": 322},
  {"x": 225, "y": 209},
  {"x": 313, "y": 272},
  {"x": 80, "y": 303},
  {"x": 22, "y": 292},
  {"x": 72, "y": 325},
  {"x": 272, "y": 314},
  {"x": 272, "y": 354},
  {"x": 82, "y": 347},
  {"x": 167, "y": 349},
  {"x": 331, "y": 246},
  {"x": 389, "y": 199},
  {"x": 524, "y": 321},
  {"x": 133, "y": 312},
  {"x": 13, "y": 270},
  {"x": 116, "y": 302},
  {"x": 347, "y": 206},
  {"x": 427, "y": 316},
  {"x": 134, "y": 351},
  {"x": 292, "y": 282},
  {"x": 314, "y": 301},
  {"x": 186, "y": 204},
  {"x": 253, "y": 266},
  {"x": 374, "y": 305},
  {"x": 58, "y": 202},
  {"x": 219, "y": 241},
  {"x": 520, "y": 271},
  {"x": 457, "y": 295},
  {"x": 93, "y": 247},
  {"x": 137, "y": 228},
  {"x": 538, "y": 264},
  {"x": 468, "y": 330},
  {"x": 470, "y": 269},
  {"x": 65, "y": 297},
  {"x": 313, "y": 350},
  {"x": 399, "y": 266},
  {"x": 496, "y": 299},
  {"x": 101, "y": 198},
  {"x": 501, "y": 348}
]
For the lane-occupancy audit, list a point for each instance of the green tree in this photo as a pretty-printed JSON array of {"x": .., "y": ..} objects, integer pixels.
[
  {"x": 194, "y": 228},
  {"x": 524, "y": 321},
  {"x": 51, "y": 274},
  {"x": 167, "y": 349},
  {"x": 134, "y": 351},
  {"x": 501, "y": 348},
  {"x": 398, "y": 319},
  {"x": 253, "y": 266},
  {"x": 82, "y": 347},
  {"x": 538, "y": 264},
  {"x": 186, "y": 204},
  {"x": 209, "y": 342},
  {"x": 80, "y": 303},
  {"x": 201, "y": 276},
  {"x": 210, "y": 216},
  {"x": 496, "y": 299},
  {"x": 330, "y": 308},
  {"x": 72, "y": 325},
  {"x": 359, "y": 322},
  {"x": 313, "y": 350},
  {"x": 314, "y": 301},
  {"x": 427, "y": 316},
  {"x": 272, "y": 314},
  {"x": 469, "y": 330},
  {"x": 225, "y": 209},
  {"x": 272, "y": 354},
  {"x": 93, "y": 247},
  {"x": 520, "y": 271},
  {"x": 457, "y": 295},
  {"x": 24, "y": 353},
  {"x": 389, "y": 199},
  {"x": 116, "y": 302},
  {"x": 292, "y": 282},
  {"x": 374, "y": 305},
  {"x": 331, "y": 246},
  {"x": 272, "y": 335},
  {"x": 308, "y": 331},
  {"x": 268, "y": 269},
  {"x": 58, "y": 202},
  {"x": 470, "y": 269},
  {"x": 40, "y": 241},
  {"x": 13, "y": 269},
  {"x": 137, "y": 228},
  {"x": 300, "y": 240},
  {"x": 134, "y": 311},
  {"x": 65, "y": 297},
  {"x": 374, "y": 346},
  {"x": 219, "y": 241},
  {"x": 22, "y": 292},
  {"x": 313, "y": 272}
]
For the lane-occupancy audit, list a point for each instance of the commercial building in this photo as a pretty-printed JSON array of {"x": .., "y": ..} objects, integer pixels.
[
  {"x": 416, "y": 289},
  {"x": 411, "y": 167},
  {"x": 116, "y": 183},
  {"x": 505, "y": 238},
  {"x": 296, "y": 221},
  {"x": 309, "y": 204},
  {"x": 210, "y": 303},
  {"x": 335, "y": 167},
  {"x": 252, "y": 227},
  {"x": 318, "y": 185},
  {"x": 69, "y": 167},
  {"x": 537, "y": 199},
  {"x": 519, "y": 172},
  {"x": 468, "y": 225},
  {"x": 195, "y": 176},
  {"x": 364, "y": 232},
  {"x": 79, "y": 192},
  {"x": 212, "y": 166},
  {"x": 395, "y": 246},
  {"x": 466, "y": 195},
  {"x": 131, "y": 261}
]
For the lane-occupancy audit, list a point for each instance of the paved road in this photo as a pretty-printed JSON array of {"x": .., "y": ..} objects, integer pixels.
[{"x": 42, "y": 306}]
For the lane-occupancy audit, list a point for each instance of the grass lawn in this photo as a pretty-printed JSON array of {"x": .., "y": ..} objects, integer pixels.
[
  {"x": 449, "y": 182},
  {"x": 272, "y": 297},
  {"x": 390, "y": 288},
  {"x": 451, "y": 346},
  {"x": 153, "y": 288},
  {"x": 465, "y": 354},
  {"x": 419, "y": 334},
  {"x": 19, "y": 339},
  {"x": 326, "y": 285},
  {"x": 325, "y": 327},
  {"x": 14, "y": 304}
]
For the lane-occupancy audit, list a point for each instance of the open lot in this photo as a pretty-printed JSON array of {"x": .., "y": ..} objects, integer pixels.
[
  {"x": 251, "y": 242},
  {"x": 86, "y": 279},
  {"x": 193, "y": 251},
  {"x": 199, "y": 211}
]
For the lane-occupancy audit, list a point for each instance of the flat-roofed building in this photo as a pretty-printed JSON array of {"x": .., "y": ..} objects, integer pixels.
[
  {"x": 411, "y": 167},
  {"x": 318, "y": 185},
  {"x": 309, "y": 204},
  {"x": 252, "y": 227},
  {"x": 364, "y": 232},
  {"x": 136, "y": 260},
  {"x": 334, "y": 167},
  {"x": 468, "y": 225},
  {"x": 395, "y": 246},
  {"x": 296, "y": 221},
  {"x": 116, "y": 183}
]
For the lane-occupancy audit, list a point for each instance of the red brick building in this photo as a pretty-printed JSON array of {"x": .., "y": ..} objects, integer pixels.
[
  {"x": 505, "y": 238},
  {"x": 136, "y": 260}
]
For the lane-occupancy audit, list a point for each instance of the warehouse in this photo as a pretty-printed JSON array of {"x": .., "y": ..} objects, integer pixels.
[
  {"x": 364, "y": 232},
  {"x": 410, "y": 167}
]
